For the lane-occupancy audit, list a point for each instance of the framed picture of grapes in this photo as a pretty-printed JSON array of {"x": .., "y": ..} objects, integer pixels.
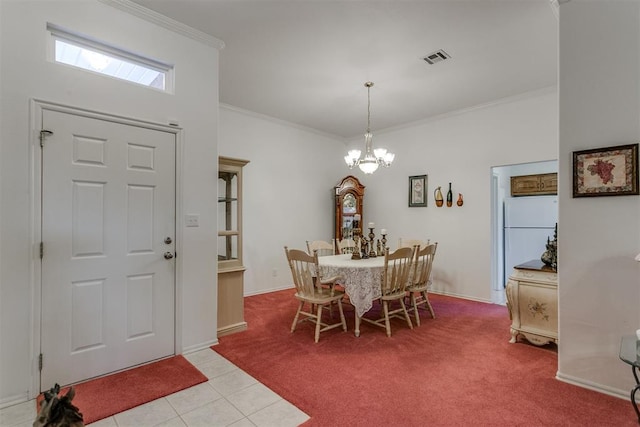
[{"x": 609, "y": 171}]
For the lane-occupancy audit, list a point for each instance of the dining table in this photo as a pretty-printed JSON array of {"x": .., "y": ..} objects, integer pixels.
[{"x": 361, "y": 279}]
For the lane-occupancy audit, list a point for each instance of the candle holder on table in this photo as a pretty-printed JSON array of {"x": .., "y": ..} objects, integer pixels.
[
  {"x": 364, "y": 248},
  {"x": 372, "y": 249},
  {"x": 356, "y": 237}
]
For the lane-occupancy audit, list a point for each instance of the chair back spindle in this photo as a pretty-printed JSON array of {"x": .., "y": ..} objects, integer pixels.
[
  {"x": 424, "y": 264},
  {"x": 397, "y": 266},
  {"x": 324, "y": 248},
  {"x": 303, "y": 270}
]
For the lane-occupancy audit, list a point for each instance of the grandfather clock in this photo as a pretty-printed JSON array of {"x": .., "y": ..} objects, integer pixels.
[{"x": 349, "y": 195}]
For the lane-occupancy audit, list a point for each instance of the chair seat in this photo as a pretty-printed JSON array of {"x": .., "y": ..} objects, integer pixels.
[
  {"x": 322, "y": 296},
  {"x": 418, "y": 288},
  {"x": 393, "y": 295}
]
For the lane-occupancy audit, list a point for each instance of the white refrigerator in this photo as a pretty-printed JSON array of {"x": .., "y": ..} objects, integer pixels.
[{"x": 528, "y": 222}]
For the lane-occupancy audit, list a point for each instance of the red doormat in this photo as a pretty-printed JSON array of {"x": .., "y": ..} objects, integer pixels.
[{"x": 106, "y": 396}]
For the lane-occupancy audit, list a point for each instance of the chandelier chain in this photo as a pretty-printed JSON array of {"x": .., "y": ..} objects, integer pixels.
[{"x": 369, "y": 107}]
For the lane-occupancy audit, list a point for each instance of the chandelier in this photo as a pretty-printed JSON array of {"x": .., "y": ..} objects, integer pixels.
[{"x": 372, "y": 158}]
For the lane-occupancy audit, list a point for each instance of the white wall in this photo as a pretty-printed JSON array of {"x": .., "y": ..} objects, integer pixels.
[
  {"x": 598, "y": 237},
  {"x": 287, "y": 192},
  {"x": 26, "y": 74},
  {"x": 461, "y": 149}
]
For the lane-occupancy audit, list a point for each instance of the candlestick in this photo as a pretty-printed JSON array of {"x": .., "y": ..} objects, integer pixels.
[
  {"x": 356, "y": 251},
  {"x": 365, "y": 247},
  {"x": 384, "y": 240},
  {"x": 372, "y": 249}
]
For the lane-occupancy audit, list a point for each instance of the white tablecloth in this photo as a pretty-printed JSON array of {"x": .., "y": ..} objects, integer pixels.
[{"x": 361, "y": 278}]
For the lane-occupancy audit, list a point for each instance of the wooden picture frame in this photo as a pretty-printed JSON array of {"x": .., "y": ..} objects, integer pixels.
[
  {"x": 608, "y": 171},
  {"x": 418, "y": 191}
]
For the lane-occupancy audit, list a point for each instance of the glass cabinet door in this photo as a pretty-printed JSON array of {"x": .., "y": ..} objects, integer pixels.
[
  {"x": 227, "y": 216},
  {"x": 230, "y": 212}
]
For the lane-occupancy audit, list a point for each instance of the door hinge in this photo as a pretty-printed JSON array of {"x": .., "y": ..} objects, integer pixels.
[
  {"x": 41, "y": 250},
  {"x": 40, "y": 362},
  {"x": 43, "y": 134}
]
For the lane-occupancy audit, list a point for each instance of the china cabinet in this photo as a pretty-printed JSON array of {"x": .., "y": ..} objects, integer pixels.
[
  {"x": 534, "y": 185},
  {"x": 230, "y": 267},
  {"x": 349, "y": 195},
  {"x": 532, "y": 300}
]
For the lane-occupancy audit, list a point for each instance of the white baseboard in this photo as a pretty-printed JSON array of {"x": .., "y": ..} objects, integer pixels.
[
  {"x": 199, "y": 346},
  {"x": 622, "y": 394},
  {"x": 449, "y": 294},
  {"x": 266, "y": 291},
  {"x": 14, "y": 400}
]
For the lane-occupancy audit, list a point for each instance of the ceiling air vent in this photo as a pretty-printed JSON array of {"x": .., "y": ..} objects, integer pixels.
[{"x": 435, "y": 57}]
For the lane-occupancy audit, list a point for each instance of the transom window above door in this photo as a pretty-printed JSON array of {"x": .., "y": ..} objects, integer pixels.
[{"x": 98, "y": 57}]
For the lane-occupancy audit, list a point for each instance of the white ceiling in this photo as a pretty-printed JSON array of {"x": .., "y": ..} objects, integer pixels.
[{"x": 306, "y": 61}]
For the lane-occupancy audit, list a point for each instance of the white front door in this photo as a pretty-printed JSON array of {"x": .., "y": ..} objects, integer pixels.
[{"x": 108, "y": 218}]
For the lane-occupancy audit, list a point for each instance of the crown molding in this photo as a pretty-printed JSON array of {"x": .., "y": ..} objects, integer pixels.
[
  {"x": 165, "y": 22},
  {"x": 281, "y": 122},
  {"x": 506, "y": 100}
]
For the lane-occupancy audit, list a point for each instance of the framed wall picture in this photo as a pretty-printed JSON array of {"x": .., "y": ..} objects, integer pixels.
[
  {"x": 609, "y": 171},
  {"x": 418, "y": 191}
]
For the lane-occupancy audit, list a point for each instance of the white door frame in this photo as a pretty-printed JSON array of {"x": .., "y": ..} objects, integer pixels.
[{"x": 35, "y": 233}]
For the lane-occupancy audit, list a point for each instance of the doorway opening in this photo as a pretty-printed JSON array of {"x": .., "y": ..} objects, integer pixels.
[{"x": 501, "y": 250}]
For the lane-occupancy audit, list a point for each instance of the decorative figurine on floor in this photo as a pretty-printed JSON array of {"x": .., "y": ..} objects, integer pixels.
[{"x": 550, "y": 256}]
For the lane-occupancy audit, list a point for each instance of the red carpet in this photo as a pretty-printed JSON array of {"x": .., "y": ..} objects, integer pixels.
[
  {"x": 106, "y": 396},
  {"x": 457, "y": 369}
]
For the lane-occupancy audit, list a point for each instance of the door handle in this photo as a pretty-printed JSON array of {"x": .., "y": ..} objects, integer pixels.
[
  {"x": 168, "y": 240},
  {"x": 168, "y": 255}
]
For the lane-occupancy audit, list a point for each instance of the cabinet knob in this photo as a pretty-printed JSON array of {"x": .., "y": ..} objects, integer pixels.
[{"x": 168, "y": 255}]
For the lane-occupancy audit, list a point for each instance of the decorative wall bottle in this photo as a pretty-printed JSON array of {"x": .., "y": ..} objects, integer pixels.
[
  {"x": 437, "y": 194},
  {"x": 460, "y": 201},
  {"x": 449, "y": 197}
]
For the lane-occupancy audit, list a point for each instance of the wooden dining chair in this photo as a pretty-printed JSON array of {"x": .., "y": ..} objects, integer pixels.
[
  {"x": 347, "y": 246},
  {"x": 409, "y": 243},
  {"x": 323, "y": 247},
  {"x": 421, "y": 280},
  {"x": 318, "y": 293},
  {"x": 397, "y": 267}
]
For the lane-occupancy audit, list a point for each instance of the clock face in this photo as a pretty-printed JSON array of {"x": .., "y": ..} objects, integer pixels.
[{"x": 349, "y": 204}]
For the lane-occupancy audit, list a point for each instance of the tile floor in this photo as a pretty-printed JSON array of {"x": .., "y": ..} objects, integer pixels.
[{"x": 230, "y": 398}]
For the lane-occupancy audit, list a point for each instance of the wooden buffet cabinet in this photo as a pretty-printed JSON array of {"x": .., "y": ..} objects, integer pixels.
[
  {"x": 532, "y": 300},
  {"x": 534, "y": 185},
  {"x": 230, "y": 267}
]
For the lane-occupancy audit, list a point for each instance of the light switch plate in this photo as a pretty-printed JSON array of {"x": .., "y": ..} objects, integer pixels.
[{"x": 192, "y": 220}]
